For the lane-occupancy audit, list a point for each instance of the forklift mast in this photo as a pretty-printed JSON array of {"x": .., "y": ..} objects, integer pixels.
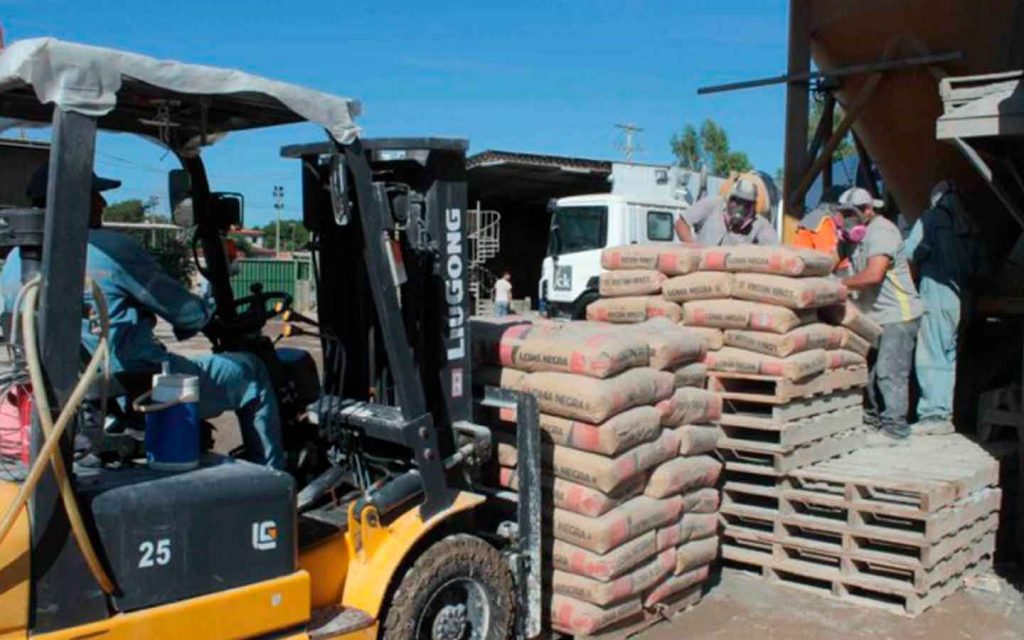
[{"x": 388, "y": 218}]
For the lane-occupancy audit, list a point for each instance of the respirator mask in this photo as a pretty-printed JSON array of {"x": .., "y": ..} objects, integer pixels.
[
  {"x": 850, "y": 232},
  {"x": 739, "y": 215}
]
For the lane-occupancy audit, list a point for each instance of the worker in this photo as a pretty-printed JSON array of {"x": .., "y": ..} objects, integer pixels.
[
  {"x": 940, "y": 248},
  {"x": 138, "y": 291},
  {"x": 503, "y": 294},
  {"x": 727, "y": 221},
  {"x": 886, "y": 294}
]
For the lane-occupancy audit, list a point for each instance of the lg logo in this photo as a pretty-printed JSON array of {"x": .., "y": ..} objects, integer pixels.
[{"x": 264, "y": 535}]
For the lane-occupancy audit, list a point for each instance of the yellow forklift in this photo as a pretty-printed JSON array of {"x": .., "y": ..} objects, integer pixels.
[{"x": 381, "y": 526}]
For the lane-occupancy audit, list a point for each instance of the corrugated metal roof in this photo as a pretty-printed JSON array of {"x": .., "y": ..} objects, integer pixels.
[{"x": 493, "y": 157}]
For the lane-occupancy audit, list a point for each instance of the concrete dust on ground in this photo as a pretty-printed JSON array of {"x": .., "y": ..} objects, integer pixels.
[{"x": 743, "y": 607}]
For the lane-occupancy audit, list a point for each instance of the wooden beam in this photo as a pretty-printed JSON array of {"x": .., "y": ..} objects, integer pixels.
[
  {"x": 797, "y": 108},
  {"x": 828, "y": 117},
  {"x": 795, "y": 200}
]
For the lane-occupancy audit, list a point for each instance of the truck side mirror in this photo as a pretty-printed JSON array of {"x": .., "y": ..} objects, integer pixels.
[
  {"x": 179, "y": 187},
  {"x": 227, "y": 209}
]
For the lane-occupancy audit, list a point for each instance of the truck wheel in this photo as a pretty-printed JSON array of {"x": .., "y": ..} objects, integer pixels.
[{"x": 459, "y": 588}]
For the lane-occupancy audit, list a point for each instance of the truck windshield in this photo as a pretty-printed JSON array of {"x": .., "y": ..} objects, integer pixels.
[{"x": 575, "y": 229}]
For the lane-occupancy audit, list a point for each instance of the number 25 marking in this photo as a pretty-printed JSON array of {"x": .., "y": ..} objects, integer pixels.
[{"x": 155, "y": 554}]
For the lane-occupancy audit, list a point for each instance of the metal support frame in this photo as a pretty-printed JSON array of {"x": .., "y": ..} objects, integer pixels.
[
  {"x": 421, "y": 433},
  {"x": 797, "y": 106},
  {"x": 528, "y": 504},
  {"x": 986, "y": 172},
  {"x": 64, "y": 592},
  {"x": 825, "y": 157}
]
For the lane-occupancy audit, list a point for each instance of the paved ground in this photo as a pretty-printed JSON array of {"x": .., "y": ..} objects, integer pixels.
[{"x": 744, "y": 608}]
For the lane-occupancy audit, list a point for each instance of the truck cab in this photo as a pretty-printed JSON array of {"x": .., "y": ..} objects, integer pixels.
[{"x": 581, "y": 227}]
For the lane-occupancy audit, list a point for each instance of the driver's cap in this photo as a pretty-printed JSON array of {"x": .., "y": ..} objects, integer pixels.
[{"x": 36, "y": 189}]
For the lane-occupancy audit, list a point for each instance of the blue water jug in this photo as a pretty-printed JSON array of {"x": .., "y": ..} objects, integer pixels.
[{"x": 171, "y": 408}]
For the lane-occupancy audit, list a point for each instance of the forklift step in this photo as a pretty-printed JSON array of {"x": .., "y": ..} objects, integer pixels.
[{"x": 336, "y": 621}]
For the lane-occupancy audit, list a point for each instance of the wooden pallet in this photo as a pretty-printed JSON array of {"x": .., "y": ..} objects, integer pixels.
[
  {"x": 796, "y": 432},
  {"x": 872, "y": 584},
  {"x": 774, "y": 390},
  {"x": 884, "y": 546},
  {"x": 866, "y": 521},
  {"x": 924, "y": 474},
  {"x": 758, "y": 415},
  {"x": 774, "y": 459}
]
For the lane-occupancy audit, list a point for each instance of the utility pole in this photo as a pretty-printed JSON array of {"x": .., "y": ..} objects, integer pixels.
[
  {"x": 278, "y": 207},
  {"x": 628, "y": 146}
]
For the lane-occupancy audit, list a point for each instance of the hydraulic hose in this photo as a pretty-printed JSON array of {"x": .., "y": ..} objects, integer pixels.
[{"x": 53, "y": 431}]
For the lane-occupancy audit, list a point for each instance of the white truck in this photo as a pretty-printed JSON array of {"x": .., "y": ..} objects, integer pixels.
[{"x": 581, "y": 226}]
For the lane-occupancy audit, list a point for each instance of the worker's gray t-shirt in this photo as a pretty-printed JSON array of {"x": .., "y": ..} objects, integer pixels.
[
  {"x": 896, "y": 299},
  {"x": 707, "y": 219}
]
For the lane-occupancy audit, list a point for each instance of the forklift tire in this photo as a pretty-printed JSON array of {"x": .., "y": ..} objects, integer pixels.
[{"x": 459, "y": 588}]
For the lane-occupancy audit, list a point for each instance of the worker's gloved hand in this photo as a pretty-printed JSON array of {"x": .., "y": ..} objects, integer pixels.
[
  {"x": 213, "y": 330},
  {"x": 184, "y": 334}
]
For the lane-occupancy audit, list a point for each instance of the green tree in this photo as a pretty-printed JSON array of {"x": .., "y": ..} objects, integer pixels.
[
  {"x": 125, "y": 211},
  {"x": 294, "y": 236},
  {"x": 708, "y": 149},
  {"x": 846, "y": 148}
]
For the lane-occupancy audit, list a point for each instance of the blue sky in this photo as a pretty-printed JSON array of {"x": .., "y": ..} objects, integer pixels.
[{"x": 545, "y": 77}]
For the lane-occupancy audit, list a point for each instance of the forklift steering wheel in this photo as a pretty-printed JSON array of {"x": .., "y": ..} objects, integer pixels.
[{"x": 255, "y": 317}]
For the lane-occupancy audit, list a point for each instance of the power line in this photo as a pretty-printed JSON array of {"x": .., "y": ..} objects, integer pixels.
[{"x": 629, "y": 146}]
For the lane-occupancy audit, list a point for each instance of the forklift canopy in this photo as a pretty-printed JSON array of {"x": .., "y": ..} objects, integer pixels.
[{"x": 179, "y": 104}]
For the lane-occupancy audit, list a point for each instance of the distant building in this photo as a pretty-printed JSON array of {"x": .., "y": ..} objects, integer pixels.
[{"x": 19, "y": 159}]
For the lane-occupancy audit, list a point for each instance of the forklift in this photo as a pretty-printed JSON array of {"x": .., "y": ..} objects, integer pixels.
[{"x": 382, "y": 525}]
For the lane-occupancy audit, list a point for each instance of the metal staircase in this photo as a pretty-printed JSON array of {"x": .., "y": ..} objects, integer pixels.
[{"x": 484, "y": 234}]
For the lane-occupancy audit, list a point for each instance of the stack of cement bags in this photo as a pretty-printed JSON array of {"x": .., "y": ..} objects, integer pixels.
[{"x": 630, "y": 499}]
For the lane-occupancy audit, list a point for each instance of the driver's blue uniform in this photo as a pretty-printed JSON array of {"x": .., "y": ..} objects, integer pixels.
[{"x": 137, "y": 291}]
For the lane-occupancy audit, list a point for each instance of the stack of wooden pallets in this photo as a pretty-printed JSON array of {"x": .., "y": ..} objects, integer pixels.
[
  {"x": 773, "y": 425},
  {"x": 896, "y": 527}
]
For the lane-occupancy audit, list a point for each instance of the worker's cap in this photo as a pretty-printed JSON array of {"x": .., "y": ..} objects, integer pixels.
[
  {"x": 37, "y": 184},
  {"x": 744, "y": 189},
  {"x": 855, "y": 198}
]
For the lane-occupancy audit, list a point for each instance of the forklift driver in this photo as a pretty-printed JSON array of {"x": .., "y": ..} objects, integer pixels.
[{"x": 138, "y": 291}]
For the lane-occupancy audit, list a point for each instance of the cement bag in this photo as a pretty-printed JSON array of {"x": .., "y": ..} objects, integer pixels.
[
  {"x": 696, "y": 554},
  {"x": 620, "y": 432},
  {"x": 622, "y": 588},
  {"x": 681, "y": 475},
  {"x": 631, "y": 256},
  {"x": 695, "y": 440},
  {"x": 739, "y": 314},
  {"x": 792, "y": 293},
  {"x": 507, "y": 454},
  {"x": 630, "y": 282},
  {"x": 701, "y": 501},
  {"x": 577, "y": 618},
  {"x": 604, "y": 473},
  {"x": 632, "y": 309},
  {"x": 485, "y": 333},
  {"x": 679, "y": 259},
  {"x": 849, "y": 316},
  {"x": 594, "y": 354},
  {"x": 623, "y": 523},
  {"x": 795, "y": 367},
  {"x": 498, "y": 377},
  {"x": 811, "y": 336},
  {"x": 568, "y": 557},
  {"x": 841, "y": 358},
  {"x": 677, "y": 584},
  {"x": 783, "y": 261},
  {"x": 714, "y": 339},
  {"x": 688, "y": 405},
  {"x": 576, "y": 497},
  {"x": 703, "y": 285},
  {"x": 593, "y": 400},
  {"x": 852, "y": 341},
  {"x": 692, "y": 526},
  {"x": 694, "y": 374},
  {"x": 670, "y": 345}
]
